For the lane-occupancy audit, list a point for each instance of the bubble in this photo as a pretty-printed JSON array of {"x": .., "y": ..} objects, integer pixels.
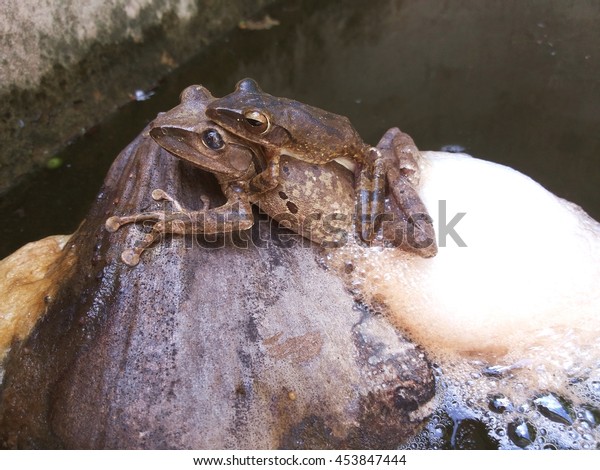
[
  {"x": 348, "y": 267},
  {"x": 524, "y": 408},
  {"x": 439, "y": 431},
  {"x": 499, "y": 403},
  {"x": 590, "y": 415},
  {"x": 374, "y": 360},
  {"x": 554, "y": 408},
  {"x": 522, "y": 433}
]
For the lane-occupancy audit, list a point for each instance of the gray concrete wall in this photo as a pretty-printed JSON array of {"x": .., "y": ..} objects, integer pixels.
[{"x": 65, "y": 64}]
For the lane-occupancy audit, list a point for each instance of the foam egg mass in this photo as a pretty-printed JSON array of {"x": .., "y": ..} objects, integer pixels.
[{"x": 508, "y": 310}]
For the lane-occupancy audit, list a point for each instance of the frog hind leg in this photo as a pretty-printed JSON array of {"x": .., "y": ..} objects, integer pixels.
[
  {"x": 402, "y": 175},
  {"x": 419, "y": 233}
]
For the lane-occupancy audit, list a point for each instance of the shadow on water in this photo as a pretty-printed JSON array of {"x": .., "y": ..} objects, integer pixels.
[{"x": 510, "y": 82}]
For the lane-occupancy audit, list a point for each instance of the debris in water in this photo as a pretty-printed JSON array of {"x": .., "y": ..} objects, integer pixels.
[
  {"x": 54, "y": 163},
  {"x": 257, "y": 25},
  {"x": 141, "y": 95},
  {"x": 453, "y": 148}
]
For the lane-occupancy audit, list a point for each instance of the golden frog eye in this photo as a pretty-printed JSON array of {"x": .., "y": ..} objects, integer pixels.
[
  {"x": 257, "y": 120},
  {"x": 212, "y": 139}
]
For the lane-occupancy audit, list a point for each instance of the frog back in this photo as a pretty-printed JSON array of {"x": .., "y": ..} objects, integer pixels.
[
  {"x": 295, "y": 127},
  {"x": 313, "y": 130}
]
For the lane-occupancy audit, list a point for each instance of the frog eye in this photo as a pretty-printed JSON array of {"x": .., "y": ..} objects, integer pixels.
[
  {"x": 257, "y": 120},
  {"x": 212, "y": 139}
]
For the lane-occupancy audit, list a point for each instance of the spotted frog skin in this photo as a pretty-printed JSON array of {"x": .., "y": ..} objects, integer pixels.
[{"x": 315, "y": 201}]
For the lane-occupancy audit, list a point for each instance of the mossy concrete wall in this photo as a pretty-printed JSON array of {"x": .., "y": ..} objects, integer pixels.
[{"x": 65, "y": 64}]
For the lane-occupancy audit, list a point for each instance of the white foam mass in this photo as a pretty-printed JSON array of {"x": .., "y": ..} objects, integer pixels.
[
  {"x": 515, "y": 313},
  {"x": 528, "y": 275}
]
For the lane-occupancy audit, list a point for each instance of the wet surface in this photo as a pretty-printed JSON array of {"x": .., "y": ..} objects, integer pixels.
[{"x": 512, "y": 83}]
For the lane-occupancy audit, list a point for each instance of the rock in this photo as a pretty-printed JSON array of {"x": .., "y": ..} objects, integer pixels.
[
  {"x": 28, "y": 280},
  {"x": 239, "y": 342}
]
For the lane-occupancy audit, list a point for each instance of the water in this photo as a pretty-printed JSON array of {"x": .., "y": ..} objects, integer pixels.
[{"x": 467, "y": 415}]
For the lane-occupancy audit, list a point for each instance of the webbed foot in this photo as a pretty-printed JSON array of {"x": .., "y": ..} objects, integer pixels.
[
  {"x": 176, "y": 222},
  {"x": 236, "y": 214}
]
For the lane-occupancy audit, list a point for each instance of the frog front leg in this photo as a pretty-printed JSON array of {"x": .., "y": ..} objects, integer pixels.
[
  {"x": 402, "y": 173},
  {"x": 235, "y": 215},
  {"x": 269, "y": 178},
  {"x": 370, "y": 193}
]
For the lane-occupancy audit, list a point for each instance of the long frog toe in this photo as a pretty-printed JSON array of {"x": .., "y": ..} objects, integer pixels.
[
  {"x": 160, "y": 195},
  {"x": 113, "y": 223},
  {"x": 131, "y": 257}
]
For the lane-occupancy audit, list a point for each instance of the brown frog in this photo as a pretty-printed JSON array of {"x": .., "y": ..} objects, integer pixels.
[
  {"x": 185, "y": 132},
  {"x": 315, "y": 201},
  {"x": 287, "y": 127}
]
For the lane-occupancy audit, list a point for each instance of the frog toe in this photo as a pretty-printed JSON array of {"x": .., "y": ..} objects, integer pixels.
[
  {"x": 130, "y": 257},
  {"x": 113, "y": 223}
]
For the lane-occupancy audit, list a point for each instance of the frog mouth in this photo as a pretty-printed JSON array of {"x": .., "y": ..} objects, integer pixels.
[
  {"x": 226, "y": 117},
  {"x": 192, "y": 147}
]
